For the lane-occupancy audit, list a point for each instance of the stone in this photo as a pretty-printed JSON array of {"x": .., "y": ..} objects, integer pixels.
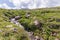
[
  {"x": 27, "y": 15},
  {"x": 36, "y": 37},
  {"x": 37, "y": 23},
  {"x": 17, "y": 17}
]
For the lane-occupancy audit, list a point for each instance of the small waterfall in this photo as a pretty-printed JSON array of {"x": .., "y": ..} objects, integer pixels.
[
  {"x": 30, "y": 34},
  {"x": 16, "y": 22}
]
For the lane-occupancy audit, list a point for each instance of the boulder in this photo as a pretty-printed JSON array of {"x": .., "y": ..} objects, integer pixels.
[
  {"x": 37, "y": 23},
  {"x": 17, "y": 17},
  {"x": 27, "y": 15}
]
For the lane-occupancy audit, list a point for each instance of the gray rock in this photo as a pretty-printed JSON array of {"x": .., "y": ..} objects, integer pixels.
[
  {"x": 17, "y": 17},
  {"x": 38, "y": 23},
  {"x": 28, "y": 15}
]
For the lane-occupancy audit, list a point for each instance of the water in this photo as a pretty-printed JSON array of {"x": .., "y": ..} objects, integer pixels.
[{"x": 16, "y": 22}]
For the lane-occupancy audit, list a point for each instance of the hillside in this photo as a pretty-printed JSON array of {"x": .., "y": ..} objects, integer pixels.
[{"x": 44, "y": 23}]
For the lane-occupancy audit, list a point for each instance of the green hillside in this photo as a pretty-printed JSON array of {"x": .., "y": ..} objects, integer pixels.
[{"x": 44, "y": 23}]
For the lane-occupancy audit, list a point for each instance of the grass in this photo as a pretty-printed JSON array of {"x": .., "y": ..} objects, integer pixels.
[{"x": 46, "y": 16}]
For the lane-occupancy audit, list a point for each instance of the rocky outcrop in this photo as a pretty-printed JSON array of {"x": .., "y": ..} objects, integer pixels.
[{"x": 13, "y": 20}]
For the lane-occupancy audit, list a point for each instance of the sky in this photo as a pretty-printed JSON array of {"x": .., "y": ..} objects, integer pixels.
[{"x": 28, "y": 4}]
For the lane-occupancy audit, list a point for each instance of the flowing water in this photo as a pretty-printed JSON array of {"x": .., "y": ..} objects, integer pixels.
[{"x": 18, "y": 24}]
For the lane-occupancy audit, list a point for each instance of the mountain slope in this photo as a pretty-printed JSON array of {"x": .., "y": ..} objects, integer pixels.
[
  {"x": 44, "y": 23},
  {"x": 10, "y": 31}
]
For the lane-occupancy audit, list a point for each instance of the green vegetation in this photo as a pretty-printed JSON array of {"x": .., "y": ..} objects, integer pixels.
[
  {"x": 47, "y": 27},
  {"x": 10, "y": 31}
]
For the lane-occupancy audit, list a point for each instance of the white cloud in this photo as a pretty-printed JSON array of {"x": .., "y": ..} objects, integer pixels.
[
  {"x": 4, "y": 5},
  {"x": 31, "y": 4},
  {"x": 43, "y": 3},
  {"x": 19, "y": 3},
  {"x": 16, "y": 2}
]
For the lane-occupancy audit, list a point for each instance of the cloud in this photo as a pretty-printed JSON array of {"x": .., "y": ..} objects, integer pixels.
[
  {"x": 28, "y": 4},
  {"x": 22, "y": 3},
  {"x": 4, "y": 5},
  {"x": 52, "y": 3},
  {"x": 32, "y": 4}
]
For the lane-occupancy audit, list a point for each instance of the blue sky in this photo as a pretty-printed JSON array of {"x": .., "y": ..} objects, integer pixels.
[{"x": 29, "y": 4}]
